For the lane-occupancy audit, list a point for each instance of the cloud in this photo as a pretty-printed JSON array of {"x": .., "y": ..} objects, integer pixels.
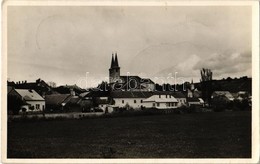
[
  {"x": 149, "y": 40},
  {"x": 226, "y": 64}
]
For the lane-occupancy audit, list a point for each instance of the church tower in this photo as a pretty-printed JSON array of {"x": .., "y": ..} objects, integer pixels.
[
  {"x": 192, "y": 87},
  {"x": 114, "y": 71}
]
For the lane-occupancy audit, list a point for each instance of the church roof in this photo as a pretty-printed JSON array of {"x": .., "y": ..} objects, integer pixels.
[{"x": 114, "y": 62}]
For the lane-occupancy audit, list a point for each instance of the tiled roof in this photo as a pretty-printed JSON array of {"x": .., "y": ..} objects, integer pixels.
[
  {"x": 97, "y": 94},
  {"x": 193, "y": 99},
  {"x": 137, "y": 78},
  {"x": 131, "y": 94},
  {"x": 9, "y": 88},
  {"x": 178, "y": 95},
  {"x": 29, "y": 95},
  {"x": 57, "y": 99}
]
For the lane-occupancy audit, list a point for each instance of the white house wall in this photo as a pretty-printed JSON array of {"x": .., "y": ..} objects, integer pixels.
[
  {"x": 33, "y": 103},
  {"x": 129, "y": 101}
]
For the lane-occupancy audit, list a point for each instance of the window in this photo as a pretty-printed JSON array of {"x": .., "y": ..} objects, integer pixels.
[
  {"x": 158, "y": 104},
  {"x": 166, "y": 96},
  {"x": 159, "y": 96},
  {"x": 153, "y": 104},
  {"x": 37, "y": 106},
  {"x": 170, "y": 96},
  {"x": 123, "y": 101},
  {"x": 141, "y": 101},
  {"x": 134, "y": 101}
]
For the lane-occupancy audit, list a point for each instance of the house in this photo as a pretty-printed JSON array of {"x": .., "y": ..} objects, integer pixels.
[
  {"x": 181, "y": 98},
  {"x": 57, "y": 101},
  {"x": 129, "y": 99},
  {"x": 127, "y": 83},
  {"x": 40, "y": 86},
  {"x": 100, "y": 99},
  {"x": 226, "y": 95},
  {"x": 63, "y": 102},
  {"x": 9, "y": 89},
  {"x": 191, "y": 101},
  {"x": 33, "y": 102},
  {"x": 161, "y": 101},
  {"x": 192, "y": 91}
]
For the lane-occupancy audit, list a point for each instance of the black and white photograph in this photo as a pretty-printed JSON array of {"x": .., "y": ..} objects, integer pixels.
[{"x": 130, "y": 82}]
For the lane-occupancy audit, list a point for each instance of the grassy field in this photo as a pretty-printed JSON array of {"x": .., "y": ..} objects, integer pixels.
[{"x": 224, "y": 134}]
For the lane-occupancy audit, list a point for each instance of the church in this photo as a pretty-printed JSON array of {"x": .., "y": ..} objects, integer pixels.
[{"x": 127, "y": 83}]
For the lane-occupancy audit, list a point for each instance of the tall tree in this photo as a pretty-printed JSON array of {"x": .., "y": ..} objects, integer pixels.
[{"x": 206, "y": 84}]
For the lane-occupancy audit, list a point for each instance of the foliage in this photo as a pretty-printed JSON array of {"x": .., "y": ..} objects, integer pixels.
[
  {"x": 206, "y": 84},
  {"x": 14, "y": 104},
  {"x": 219, "y": 103}
]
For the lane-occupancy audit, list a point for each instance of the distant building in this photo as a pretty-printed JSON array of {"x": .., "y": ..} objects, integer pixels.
[
  {"x": 191, "y": 101},
  {"x": 63, "y": 102},
  {"x": 192, "y": 91},
  {"x": 161, "y": 101},
  {"x": 127, "y": 83},
  {"x": 129, "y": 99},
  {"x": 40, "y": 86},
  {"x": 139, "y": 100},
  {"x": 181, "y": 98},
  {"x": 33, "y": 102},
  {"x": 226, "y": 95}
]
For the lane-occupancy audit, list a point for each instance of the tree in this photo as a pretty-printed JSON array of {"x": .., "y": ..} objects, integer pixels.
[
  {"x": 206, "y": 84},
  {"x": 219, "y": 103},
  {"x": 14, "y": 104},
  {"x": 52, "y": 84}
]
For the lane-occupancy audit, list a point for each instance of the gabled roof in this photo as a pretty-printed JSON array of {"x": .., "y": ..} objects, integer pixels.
[
  {"x": 57, "y": 99},
  {"x": 193, "y": 99},
  {"x": 97, "y": 94},
  {"x": 74, "y": 100},
  {"x": 29, "y": 95},
  {"x": 130, "y": 94},
  {"x": 9, "y": 89},
  {"x": 83, "y": 94},
  {"x": 178, "y": 95},
  {"x": 136, "y": 78}
]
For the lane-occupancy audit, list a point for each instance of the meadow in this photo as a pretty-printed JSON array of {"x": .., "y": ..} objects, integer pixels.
[{"x": 195, "y": 135}]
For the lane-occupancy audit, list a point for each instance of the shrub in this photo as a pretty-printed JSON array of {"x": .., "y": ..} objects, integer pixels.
[{"x": 219, "y": 104}]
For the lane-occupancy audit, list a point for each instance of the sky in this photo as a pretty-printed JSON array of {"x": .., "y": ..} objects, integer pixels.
[{"x": 73, "y": 45}]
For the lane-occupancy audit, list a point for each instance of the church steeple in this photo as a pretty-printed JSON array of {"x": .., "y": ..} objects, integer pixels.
[
  {"x": 114, "y": 71},
  {"x": 112, "y": 61},
  {"x": 192, "y": 85},
  {"x": 116, "y": 61}
]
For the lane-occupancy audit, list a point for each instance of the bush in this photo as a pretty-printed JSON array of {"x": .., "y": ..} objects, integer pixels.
[{"x": 219, "y": 104}]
